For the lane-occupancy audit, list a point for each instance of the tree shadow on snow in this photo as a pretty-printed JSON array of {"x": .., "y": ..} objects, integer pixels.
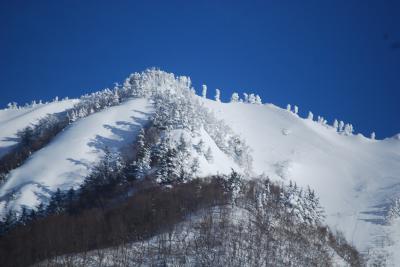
[
  {"x": 123, "y": 133},
  {"x": 377, "y": 214}
]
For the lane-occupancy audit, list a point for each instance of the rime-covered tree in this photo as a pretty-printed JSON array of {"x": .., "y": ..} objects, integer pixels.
[
  {"x": 235, "y": 97},
  {"x": 141, "y": 165},
  {"x": 296, "y": 109},
  {"x": 167, "y": 172},
  {"x": 106, "y": 173},
  {"x": 234, "y": 183},
  {"x": 204, "y": 91},
  {"x": 258, "y": 100},
  {"x": 12, "y": 105},
  {"x": 199, "y": 147},
  {"x": 252, "y": 99},
  {"x": 115, "y": 98},
  {"x": 183, "y": 158},
  {"x": 341, "y": 126},
  {"x": 217, "y": 95},
  {"x": 310, "y": 115},
  {"x": 288, "y": 107},
  {"x": 373, "y": 136},
  {"x": 348, "y": 129},
  {"x": 335, "y": 125},
  {"x": 246, "y": 98}
]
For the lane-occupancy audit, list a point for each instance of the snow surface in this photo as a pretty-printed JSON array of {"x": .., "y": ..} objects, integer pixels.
[
  {"x": 13, "y": 120},
  {"x": 355, "y": 177},
  {"x": 68, "y": 158}
]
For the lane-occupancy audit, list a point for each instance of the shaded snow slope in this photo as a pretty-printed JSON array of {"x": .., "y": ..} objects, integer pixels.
[
  {"x": 355, "y": 177},
  {"x": 68, "y": 158},
  {"x": 13, "y": 120}
]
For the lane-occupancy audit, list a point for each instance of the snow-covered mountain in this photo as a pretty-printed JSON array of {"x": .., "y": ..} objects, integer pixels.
[{"x": 356, "y": 178}]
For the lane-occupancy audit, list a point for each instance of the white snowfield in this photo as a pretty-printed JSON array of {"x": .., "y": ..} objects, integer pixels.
[
  {"x": 13, "y": 120},
  {"x": 355, "y": 177},
  {"x": 66, "y": 161}
]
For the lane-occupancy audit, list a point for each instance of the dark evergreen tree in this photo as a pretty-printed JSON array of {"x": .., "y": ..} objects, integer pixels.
[
  {"x": 41, "y": 211},
  {"x": 24, "y": 217},
  {"x": 70, "y": 199},
  {"x": 9, "y": 222},
  {"x": 56, "y": 203}
]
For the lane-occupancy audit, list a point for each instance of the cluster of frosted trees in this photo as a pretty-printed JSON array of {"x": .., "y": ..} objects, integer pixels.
[
  {"x": 339, "y": 126},
  {"x": 168, "y": 162},
  {"x": 176, "y": 107},
  {"x": 235, "y": 98},
  {"x": 91, "y": 103},
  {"x": 14, "y": 105}
]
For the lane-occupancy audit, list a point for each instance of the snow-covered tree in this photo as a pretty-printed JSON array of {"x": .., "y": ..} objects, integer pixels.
[
  {"x": 234, "y": 183},
  {"x": 288, "y": 107},
  {"x": 348, "y": 129},
  {"x": 199, "y": 147},
  {"x": 217, "y": 95},
  {"x": 310, "y": 115},
  {"x": 115, "y": 97},
  {"x": 296, "y": 109},
  {"x": 12, "y": 105},
  {"x": 167, "y": 171},
  {"x": 341, "y": 126},
  {"x": 373, "y": 136},
  {"x": 258, "y": 100},
  {"x": 72, "y": 116},
  {"x": 246, "y": 98},
  {"x": 141, "y": 165},
  {"x": 335, "y": 125},
  {"x": 235, "y": 97},
  {"x": 204, "y": 91},
  {"x": 252, "y": 99}
]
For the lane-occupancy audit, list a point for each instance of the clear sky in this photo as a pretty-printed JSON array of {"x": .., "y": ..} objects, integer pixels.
[{"x": 339, "y": 59}]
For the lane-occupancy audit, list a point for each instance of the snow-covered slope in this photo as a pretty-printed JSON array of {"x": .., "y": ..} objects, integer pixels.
[
  {"x": 355, "y": 177},
  {"x": 13, "y": 120},
  {"x": 67, "y": 160}
]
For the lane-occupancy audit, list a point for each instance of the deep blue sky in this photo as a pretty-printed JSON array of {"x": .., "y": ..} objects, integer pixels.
[{"x": 339, "y": 59}]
